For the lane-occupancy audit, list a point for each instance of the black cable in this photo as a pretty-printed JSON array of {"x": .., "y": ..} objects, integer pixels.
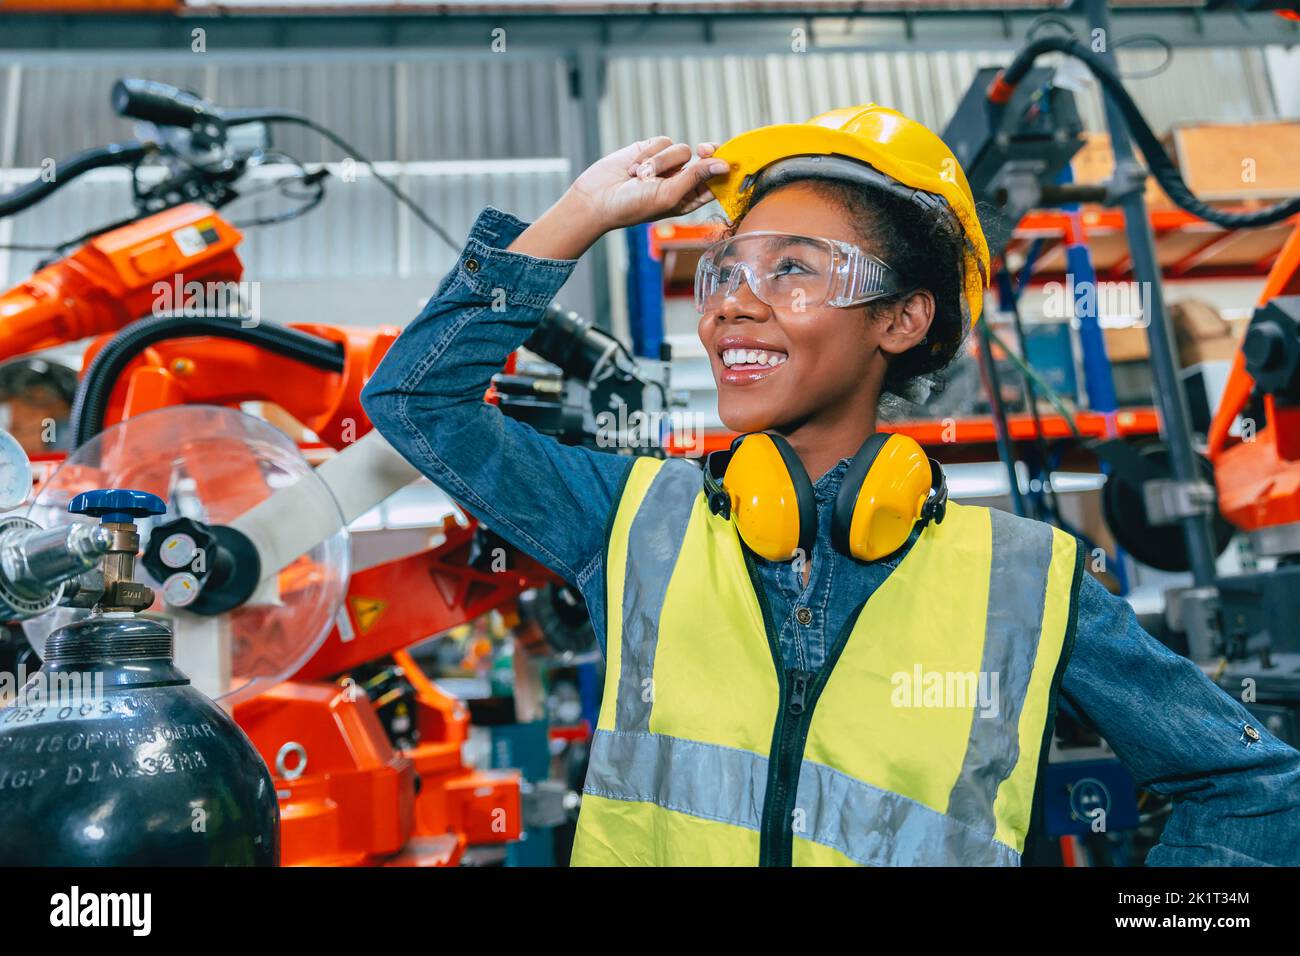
[
  {"x": 1027, "y": 370},
  {"x": 627, "y": 354},
  {"x": 305, "y": 205},
  {"x": 1165, "y": 172},
  {"x": 87, "y": 417},
  {"x": 1147, "y": 38},
  {"x": 19, "y": 247},
  {"x": 85, "y": 237},
  {"x": 114, "y": 154},
  {"x": 1049, "y": 19},
  {"x": 1067, "y": 28},
  {"x": 998, "y": 411},
  {"x": 348, "y": 148},
  {"x": 306, "y": 202}
]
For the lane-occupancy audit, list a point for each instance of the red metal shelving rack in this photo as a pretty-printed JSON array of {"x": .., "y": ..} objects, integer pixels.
[{"x": 1187, "y": 248}]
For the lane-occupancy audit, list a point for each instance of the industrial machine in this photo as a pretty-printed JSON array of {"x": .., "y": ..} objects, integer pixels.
[
  {"x": 249, "y": 559},
  {"x": 1257, "y": 473},
  {"x": 1015, "y": 132},
  {"x": 1018, "y": 127}
]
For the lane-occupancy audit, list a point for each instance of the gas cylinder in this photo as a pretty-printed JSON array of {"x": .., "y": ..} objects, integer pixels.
[{"x": 108, "y": 756}]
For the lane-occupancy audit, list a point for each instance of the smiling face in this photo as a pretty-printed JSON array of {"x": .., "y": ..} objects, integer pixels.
[{"x": 778, "y": 367}]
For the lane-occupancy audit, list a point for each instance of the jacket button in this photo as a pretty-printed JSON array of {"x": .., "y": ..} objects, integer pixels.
[
  {"x": 803, "y": 616},
  {"x": 1251, "y": 733},
  {"x": 471, "y": 265}
]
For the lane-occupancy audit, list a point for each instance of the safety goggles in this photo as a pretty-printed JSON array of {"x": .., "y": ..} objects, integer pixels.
[{"x": 789, "y": 271}]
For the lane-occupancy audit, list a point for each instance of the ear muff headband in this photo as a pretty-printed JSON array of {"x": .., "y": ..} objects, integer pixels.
[
  {"x": 715, "y": 466},
  {"x": 937, "y": 506},
  {"x": 890, "y": 484}
]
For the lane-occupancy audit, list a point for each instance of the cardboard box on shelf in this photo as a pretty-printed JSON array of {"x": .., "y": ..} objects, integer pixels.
[
  {"x": 1239, "y": 161},
  {"x": 1219, "y": 349},
  {"x": 1220, "y": 162},
  {"x": 1201, "y": 332},
  {"x": 1095, "y": 162},
  {"x": 1126, "y": 344},
  {"x": 1194, "y": 319}
]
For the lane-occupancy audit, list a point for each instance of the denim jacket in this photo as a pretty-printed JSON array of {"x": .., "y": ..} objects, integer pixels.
[{"x": 1236, "y": 802}]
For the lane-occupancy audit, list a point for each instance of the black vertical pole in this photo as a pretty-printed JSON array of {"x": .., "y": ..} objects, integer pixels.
[{"x": 1170, "y": 398}]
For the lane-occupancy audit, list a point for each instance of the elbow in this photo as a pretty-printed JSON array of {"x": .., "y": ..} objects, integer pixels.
[{"x": 380, "y": 402}]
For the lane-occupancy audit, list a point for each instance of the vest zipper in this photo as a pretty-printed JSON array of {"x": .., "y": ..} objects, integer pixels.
[
  {"x": 783, "y": 768},
  {"x": 799, "y": 691}
]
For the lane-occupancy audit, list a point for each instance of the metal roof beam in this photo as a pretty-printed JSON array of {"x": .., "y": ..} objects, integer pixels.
[{"x": 395, "y": 35}]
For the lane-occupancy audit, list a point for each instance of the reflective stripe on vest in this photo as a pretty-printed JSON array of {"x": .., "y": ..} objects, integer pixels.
[{"x": 921, "y": 739}]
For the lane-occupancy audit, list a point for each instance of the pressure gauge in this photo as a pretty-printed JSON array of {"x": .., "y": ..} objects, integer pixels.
[
  {"x": 180, "y": 589},
  {"x": 178, "y": 551},
  {"x": 15, "y": 472}
]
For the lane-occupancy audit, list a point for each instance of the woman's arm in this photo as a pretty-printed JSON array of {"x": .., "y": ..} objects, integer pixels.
[
  {"x": 1236, "y": 801},
  {"x": 547, "y": 499},
  {"x": 426, "y": 397}
]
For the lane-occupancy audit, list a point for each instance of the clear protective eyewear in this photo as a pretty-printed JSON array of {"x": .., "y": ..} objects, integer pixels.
[{"x": 789, "y": 271}]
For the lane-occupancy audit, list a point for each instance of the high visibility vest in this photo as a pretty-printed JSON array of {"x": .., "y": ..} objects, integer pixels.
[{"x": 918, "y": 743}]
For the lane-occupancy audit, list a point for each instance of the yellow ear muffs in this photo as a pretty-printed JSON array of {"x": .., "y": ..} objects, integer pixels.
[
  {"x": 888, "y": 488},
  {"x": 763, "y": 485}
]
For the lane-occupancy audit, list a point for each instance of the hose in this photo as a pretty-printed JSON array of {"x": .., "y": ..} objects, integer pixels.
[
  {"x": 279, "y": 116},
  {"x": 87, "y": 417},
  {"x": 1048, "y": 392},
  {"x": 1161, "y": 166}
]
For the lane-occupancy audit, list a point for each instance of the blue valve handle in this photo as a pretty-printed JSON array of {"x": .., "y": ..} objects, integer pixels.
[{"x": 117, "y": 505}]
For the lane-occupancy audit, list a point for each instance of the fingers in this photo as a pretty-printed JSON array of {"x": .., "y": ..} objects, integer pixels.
[
  {"x": 693, "y": 202},
  {"x": 663, "y": 163},
  {"x": 673, "y": 160},
  {"x": 641, "y": 151},
  {"x": 660, "y": 156},
  {"x": 694, "y": 187},
  {"x": 705, "y": 170}
]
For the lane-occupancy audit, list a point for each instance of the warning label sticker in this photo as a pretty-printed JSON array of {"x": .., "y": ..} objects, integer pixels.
[
  {"x": 190, "y": 240},
  {"x": 366, "y": 611}
]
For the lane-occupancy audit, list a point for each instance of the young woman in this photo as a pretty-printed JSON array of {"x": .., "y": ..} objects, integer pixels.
[{"x": 812, "y": 657}]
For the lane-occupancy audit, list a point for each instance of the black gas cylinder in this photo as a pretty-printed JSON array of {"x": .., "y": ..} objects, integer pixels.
[{"x": 109, "y": 756}]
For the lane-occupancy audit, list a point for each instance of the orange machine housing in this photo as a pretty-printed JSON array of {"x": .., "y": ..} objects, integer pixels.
[
  {"x": 114, "y": 278},
  {"x": 1259, "y": 480}
]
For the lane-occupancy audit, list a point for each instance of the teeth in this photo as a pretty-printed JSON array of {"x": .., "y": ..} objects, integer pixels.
[{"x": 732, "y": 357}]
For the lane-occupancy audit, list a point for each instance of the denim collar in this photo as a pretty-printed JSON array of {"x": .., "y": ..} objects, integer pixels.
[{"x": 828, "y": 485}]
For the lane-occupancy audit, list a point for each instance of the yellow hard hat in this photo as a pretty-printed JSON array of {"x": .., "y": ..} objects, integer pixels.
[{"x": 907, "y": 153}]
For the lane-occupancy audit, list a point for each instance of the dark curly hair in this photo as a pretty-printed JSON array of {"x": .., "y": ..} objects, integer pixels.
[{"x": 925, "y": 249}]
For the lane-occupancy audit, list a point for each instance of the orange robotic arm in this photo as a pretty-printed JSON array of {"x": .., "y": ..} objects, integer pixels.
[
  {"x": 118, "y": 277},
  {"x": 1258, "y": 477}
]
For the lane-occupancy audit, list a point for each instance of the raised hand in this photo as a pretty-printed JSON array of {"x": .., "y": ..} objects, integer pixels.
[
  {"x": 649, "y": 180},
  {"x": 644, "y": 181}
]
